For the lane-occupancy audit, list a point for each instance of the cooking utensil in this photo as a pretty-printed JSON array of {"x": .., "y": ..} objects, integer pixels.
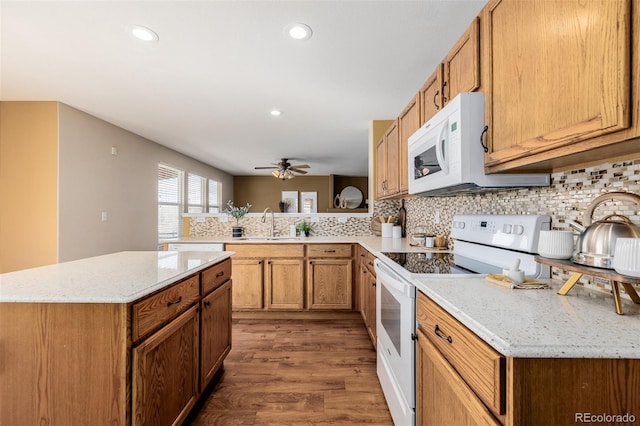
[{"x": 596, "y": 243}]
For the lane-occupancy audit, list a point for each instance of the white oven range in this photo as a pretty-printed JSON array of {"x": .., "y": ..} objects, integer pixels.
[{"x": 483, "y": 244}]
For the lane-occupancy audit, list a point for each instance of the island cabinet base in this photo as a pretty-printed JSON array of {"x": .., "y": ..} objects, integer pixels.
[{"x": 63, "y": 364}]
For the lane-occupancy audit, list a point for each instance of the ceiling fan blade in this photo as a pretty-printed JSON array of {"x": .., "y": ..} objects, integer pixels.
[
  {"x": 302, "y": 166},
  {"x": 265, "y": 167},
  {"x": 295, "y": 169}
]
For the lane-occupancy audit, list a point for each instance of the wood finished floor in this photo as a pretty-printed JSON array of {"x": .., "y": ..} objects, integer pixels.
[{"x": 297, "y": 372}]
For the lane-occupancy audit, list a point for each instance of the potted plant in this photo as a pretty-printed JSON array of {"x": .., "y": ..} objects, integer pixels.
[
  {"x": 304, "y": 227},
  {"x": 238, "y": 213}
]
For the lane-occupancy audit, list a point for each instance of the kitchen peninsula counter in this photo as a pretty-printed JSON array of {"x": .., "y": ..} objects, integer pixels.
[{"x": 527, "y": 323}]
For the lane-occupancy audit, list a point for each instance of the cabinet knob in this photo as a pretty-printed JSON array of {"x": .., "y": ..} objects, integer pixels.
[{"x": 207, "y": 303}]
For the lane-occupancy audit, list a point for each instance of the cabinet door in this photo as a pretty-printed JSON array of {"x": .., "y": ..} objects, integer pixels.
[
  {"x": 248, "y": 284},
  {"x": 285, "y": 284},
  {"x": 560, "y": 74},
  {"x": 368, "y": 306},
  {"x": 431, "y": 95},
  {"x": 442, "y": 397},
  {"x": 392, "y": 164},
  {"x": 380, "y": 169},
  {"x": 329, "y": 283},
  {"x": 462, "y": 64},
  {"x": 165, "y": 373},
  {"x": 215, "y": 334},
  {"x": 409, "y": 122}
]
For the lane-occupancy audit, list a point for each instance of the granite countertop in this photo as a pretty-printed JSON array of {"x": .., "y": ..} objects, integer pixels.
[
  {"x": 540, "y": 323},
  {"x": 113, "y": 278}
]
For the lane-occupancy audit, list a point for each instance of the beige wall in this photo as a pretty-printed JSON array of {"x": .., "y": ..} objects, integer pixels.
[
  {"x": 28, "y": 184},
  {"x": 266, "y": 191},
  {"x": 92, "y": 181}
]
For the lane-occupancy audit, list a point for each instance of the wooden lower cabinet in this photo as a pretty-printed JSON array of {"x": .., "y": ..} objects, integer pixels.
[
  {"x": 367, "y": 286},
  {"x": 165, "y": 373},
  {"x": 443, "y": 398},
  {"x": 285, "y": 284},
  {"x": 460, "y": 382},
  {"x": 329, "y": 283},
  {"x": 248, "y": 284},
  {"x": 215, "y": 336}
]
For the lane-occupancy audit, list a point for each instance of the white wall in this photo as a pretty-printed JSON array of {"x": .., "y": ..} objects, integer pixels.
[{"x": 92, "y": 180}]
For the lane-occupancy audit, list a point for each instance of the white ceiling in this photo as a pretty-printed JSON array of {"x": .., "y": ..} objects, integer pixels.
[{"x": 206, "y": 87}]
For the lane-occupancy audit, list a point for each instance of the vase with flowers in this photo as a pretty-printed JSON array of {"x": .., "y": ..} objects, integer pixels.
[{"x": 237, "y": 213}]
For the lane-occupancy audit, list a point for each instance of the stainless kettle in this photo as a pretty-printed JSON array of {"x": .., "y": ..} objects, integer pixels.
[{"x": 597, "y": 241}]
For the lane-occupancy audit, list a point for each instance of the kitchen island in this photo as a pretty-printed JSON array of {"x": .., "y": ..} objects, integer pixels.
[{"x": 125, "y": 338}]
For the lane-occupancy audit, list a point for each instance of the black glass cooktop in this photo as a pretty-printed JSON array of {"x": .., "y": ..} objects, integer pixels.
[{"x": 427, "y": 263}]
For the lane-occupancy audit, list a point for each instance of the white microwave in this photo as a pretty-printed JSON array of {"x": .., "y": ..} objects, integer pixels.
[{"x": 447, "y": 154}]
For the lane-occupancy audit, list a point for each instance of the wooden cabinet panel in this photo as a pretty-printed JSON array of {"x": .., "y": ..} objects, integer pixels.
[
  {"x": 479, "y": 364},
  {"x": 248, "y": 284},
  {"x": 285, "y": 284},
  {"x": 442, "y": 397},
  {"x": 266, "y": 250},
  {"x": 380, "y": 171},
  {"x": 165, "y": 373},
  {"x": 462, "y": 64},
  {"x": 329, "y": 250},
  {"x": 368, "y": 302},
  {"x": 408, "y": 123},
  {"x": 213, "y": 277},
  {"x": 151, "y": 313},
  {"x": 215, "y": 336},
  {"x": 392, "y": 148},
  {"x": 431, "y": 95},
  {"x": 329, "y": 283},
  {"x": 567, "y": 84}
]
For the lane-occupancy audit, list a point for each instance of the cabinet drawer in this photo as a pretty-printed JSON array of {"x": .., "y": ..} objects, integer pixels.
[
  {"x": 477, "y": 363},
  {"x": 267, "y": 250},
  {"x": 151, "y": 313},
  {"x": 213, "y": 277},
  {"x": 329, "y": 250}
]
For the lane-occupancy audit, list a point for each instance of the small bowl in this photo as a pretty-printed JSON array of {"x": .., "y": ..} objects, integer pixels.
[
  {"x": 626, "y": 257},
  {"x": 556, "y": 244}
]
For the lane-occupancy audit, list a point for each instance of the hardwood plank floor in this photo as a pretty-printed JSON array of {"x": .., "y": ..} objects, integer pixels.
[{"x": 297, "y": 372}]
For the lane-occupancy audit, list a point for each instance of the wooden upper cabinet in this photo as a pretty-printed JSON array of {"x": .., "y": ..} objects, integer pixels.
[
  {"x": 387, "y": 154},
  {"x": 431, "y": 95},
  {"x": 380, "y": 168},
  {"x": 559, "y": 75},
  {"x": 408, "y": 123},
  {"x": 462, "y": 64}
]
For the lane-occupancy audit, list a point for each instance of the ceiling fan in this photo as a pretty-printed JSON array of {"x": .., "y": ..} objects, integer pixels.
[{"x": 284, "y": 170}]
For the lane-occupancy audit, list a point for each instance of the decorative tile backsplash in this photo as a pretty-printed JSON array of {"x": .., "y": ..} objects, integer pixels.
[{"x": 564, "y": 200}]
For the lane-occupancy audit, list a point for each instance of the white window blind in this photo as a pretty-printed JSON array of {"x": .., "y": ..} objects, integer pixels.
[
  {"x": 195, "y": 193},
  {"x": 214, "y": 196},
  {"x": 170, "y": 201}
]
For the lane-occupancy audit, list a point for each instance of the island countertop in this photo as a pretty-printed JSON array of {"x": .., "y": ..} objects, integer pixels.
[{"x": 113, "y": 278}]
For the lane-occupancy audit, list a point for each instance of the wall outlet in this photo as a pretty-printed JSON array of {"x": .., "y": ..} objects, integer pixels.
[
  {"x": 342, "y": 219},
  {"x": 104, "y": 216},
  {"x": 315, "y": 219},
  {"x": 114, "y": 150},
  {"x": 200, "y": 219}
]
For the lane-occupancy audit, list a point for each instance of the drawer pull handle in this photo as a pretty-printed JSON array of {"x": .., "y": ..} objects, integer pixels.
[
  {"x": 441, "y": 335},
  {"x": 219, "y": 274},
  {"x": 329, "y": 251},
  {"x": 175, "y": 302}
]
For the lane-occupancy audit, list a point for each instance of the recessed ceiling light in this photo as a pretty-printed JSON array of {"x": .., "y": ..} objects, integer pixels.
[
  {"x": 144, "y": 33},
  {"x": 299, "y": 31},
  {"x": 276, "y": 112}
]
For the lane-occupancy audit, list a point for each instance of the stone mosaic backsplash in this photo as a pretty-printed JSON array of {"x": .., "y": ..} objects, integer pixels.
[{"x": 564, "y": 200}]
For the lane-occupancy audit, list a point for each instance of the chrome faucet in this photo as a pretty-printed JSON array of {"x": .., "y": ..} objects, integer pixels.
[{"x": 273, "y": 226}]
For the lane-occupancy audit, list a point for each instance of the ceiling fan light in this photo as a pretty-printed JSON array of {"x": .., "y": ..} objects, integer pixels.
[{"x": 276, "y": 174}]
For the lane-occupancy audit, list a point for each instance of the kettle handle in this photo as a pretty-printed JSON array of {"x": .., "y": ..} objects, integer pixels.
[{"x": 622, "y": 196}]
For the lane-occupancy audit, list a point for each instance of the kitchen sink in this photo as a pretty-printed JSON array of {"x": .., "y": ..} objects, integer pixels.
[{"x": 268, "y": 238}]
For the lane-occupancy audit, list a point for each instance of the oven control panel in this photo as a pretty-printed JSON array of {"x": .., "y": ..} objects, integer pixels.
[{"x": 515, "y": 232}]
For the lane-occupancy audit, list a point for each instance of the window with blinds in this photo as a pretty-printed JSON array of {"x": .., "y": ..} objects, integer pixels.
[
  {"x": 195, "y": 193},
  {"x": 170, "y": 201},
  {"x": 213, "y": 196}
]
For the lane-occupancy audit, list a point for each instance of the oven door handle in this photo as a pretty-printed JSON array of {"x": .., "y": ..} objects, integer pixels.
[{"x": 393, "y": 280}]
